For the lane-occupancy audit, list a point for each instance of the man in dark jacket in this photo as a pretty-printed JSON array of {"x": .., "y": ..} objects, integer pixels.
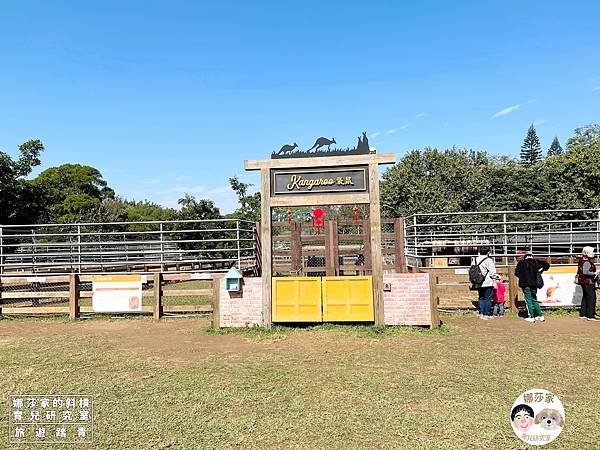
[{"x": 527, "y": 271}]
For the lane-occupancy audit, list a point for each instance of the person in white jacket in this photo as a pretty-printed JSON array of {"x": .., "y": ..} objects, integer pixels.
[{"x": 486, "y": 291}]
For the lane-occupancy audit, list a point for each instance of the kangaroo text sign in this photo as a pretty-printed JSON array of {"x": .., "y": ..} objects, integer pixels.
[
  {"x": 117, "y": 293},
  {"x": 306, "y": 181}
]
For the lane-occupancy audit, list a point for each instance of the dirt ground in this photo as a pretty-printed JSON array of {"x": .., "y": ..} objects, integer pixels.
[
  {"x": 176, "y": 384},
  {"x": 178, "y": 339}
]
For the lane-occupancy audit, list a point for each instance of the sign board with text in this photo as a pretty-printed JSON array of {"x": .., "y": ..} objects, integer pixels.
[
  {"x": 321, "y": 180},
  {"x": 117, "y": 293},
  {"x": 559, "y": 287}
]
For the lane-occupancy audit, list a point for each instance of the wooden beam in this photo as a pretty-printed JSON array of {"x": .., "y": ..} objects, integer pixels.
[
  {"x": 216, "y": 300},
  {"x": 320, "y": 199},
  {"x": 433, "y": 301},
  {"x": 400, "y": 258},
  {"x": 296, "y": 248},
  {"x": 73, "y": 296},
  {"x": 266, "y": 244},
  {"x": 325, "y": 161},
  {"x": 376, "y": 257},
  {"x": 158, "y": 307}
]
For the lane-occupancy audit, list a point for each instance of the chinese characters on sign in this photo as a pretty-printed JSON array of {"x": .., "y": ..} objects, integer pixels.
[
  {"x": 351, "y": 179},
  {"x": 50, "y": 419},
  {"x": 537, "y": 417}
]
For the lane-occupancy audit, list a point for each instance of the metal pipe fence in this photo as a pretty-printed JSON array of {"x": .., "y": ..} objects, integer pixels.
[
  {"x": 141, "y": 247},
  {"x": 452, "y": 239}
]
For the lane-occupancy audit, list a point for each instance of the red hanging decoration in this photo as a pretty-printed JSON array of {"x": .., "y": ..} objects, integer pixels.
[
  {"x": 355, "y": 215},
  {"x": 289, "y": 212},
  {"x": 318, "y": 219}
]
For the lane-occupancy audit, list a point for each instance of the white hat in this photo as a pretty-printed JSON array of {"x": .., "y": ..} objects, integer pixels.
[{"x": 588, "y": 251}]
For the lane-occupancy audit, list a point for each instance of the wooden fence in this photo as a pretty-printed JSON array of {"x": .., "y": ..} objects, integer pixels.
[
  {"x": 450, "y": 287},
  {"x": 342, "y": 247},
  {"x": 64, "y": 294}
]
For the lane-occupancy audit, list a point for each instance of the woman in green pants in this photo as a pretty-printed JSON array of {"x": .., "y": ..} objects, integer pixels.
[{"x": 527, "y": 270}]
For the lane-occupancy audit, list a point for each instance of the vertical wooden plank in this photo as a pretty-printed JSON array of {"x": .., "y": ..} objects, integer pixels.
[
  {"x": 433, "y": 299},
  {"x": 265, "y": 238},
  {"x": 216, "y": 300},
  {"x": 513, "y": 289},
  {"x": 158, "y": 307},
  {"x": 400, "y": 258},
  {"x": 366, "y": 248},
  {"x": 296, "y": 248},
  {"x": 331, "y": 248},
  {"x": 376, "y": 258},
  {"x": 73, "y": 296},
  {"x": 0, "y": 295},
  {"x": 335, "y": 249}
]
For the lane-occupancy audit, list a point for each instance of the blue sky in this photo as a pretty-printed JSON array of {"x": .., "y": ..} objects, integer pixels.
[{"x": 168, "y": 97}]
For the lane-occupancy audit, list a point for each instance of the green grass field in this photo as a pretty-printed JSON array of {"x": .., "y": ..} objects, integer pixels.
[{"x": 177, "y": 384}]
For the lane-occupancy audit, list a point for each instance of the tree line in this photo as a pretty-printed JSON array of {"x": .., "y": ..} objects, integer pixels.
[{"x": 424, "y": 180}]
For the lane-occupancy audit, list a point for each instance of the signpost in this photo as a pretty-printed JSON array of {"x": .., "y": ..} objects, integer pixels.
[{"x": 117, "y": 293}]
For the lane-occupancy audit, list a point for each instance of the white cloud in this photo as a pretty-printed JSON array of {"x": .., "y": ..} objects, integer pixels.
[
  {"x": 506, "y": 111},
  {"x": 404, "y": 127},
  {"x": 374, "y": 135},
  {"x": 421, "y": 115},
  {"x": 392, "y": 131},
  {"x": 596, "y": 89},
  {"x": 539, "y": 122}
]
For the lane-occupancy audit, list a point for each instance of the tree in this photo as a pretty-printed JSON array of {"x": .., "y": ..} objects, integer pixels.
[
  {"x": 249, "y": 203},
  {"x": 192, "y": 209},
  {"x": 531, "y": 150},
  {"x": 73, "y": 191},
  {"x": 555, "y": 148},
  {"x": 20, "y": 202}
]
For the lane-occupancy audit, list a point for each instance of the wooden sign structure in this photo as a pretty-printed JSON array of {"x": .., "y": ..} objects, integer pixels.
[{"x": 318, "y": 181}]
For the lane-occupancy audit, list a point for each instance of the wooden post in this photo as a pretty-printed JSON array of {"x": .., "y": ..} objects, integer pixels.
[
  {"x": 331, "y": 249},
  {"x": 400, "y": 258},
  {"x": 296, "y": 248},
  {"x": 73, "y": 296},
  {"x": 513, "y": 288},
  {"x": 158, "y": 307},
  {"x": 216, "y": 300},
  {"x": 0, "y": 295},
  {"x": 376, "y": 257},
  {"x": 265, "y": 239},
  {"x": 433, "y": 299},
  {"x": 367, "y": 259}
]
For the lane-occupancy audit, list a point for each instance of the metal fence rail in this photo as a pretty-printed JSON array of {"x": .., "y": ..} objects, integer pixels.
[
  {"x": 183, "y": 245},
  {"x": 452, "y": 239}
]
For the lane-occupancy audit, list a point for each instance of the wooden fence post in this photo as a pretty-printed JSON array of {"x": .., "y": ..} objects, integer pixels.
[
  {"x": 0, "y": 295},
  {"x": 400, "y": 257},
  {"x": 433, "y": 300},
  {"x": 513, "y": 288},
  {"x": 158, "y": 307},
  {"x": 331, "y": 249},
  {"x": 296, "y": 248},
  {"x": 216, "y": 300},
  {"x": 73, "y": 296}
]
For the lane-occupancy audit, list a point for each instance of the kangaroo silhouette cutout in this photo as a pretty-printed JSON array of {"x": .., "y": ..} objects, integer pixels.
[
  {"x": 287, "y": 149},
  {"x": 322, "y": 142}
]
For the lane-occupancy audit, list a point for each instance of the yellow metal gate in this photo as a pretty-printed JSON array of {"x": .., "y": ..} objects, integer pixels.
[{"x": 326, "y": 299}]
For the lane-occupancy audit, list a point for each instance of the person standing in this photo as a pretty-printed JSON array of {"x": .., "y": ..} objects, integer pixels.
[
  {"x": 586, "y": 278},
  {"x": 527, "y": 271},
  {"x": 486, "y": 290}
]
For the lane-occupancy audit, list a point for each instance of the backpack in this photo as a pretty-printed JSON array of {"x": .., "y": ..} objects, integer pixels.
[{"x": 476, "y": 276}]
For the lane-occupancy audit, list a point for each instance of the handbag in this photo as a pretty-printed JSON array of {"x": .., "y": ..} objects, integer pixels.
[{"x": 539, "y": 281}]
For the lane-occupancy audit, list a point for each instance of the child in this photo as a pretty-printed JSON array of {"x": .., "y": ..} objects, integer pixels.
[{"x": 498, "y": 298}]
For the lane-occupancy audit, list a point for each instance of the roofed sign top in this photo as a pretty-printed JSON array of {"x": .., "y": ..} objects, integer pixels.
[{"x": 323, "y": 147}]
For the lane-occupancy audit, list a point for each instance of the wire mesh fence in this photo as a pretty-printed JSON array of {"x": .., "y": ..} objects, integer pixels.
[
  {"x": 452, "y": 239},
  {"x": 141, "y": 247}
]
